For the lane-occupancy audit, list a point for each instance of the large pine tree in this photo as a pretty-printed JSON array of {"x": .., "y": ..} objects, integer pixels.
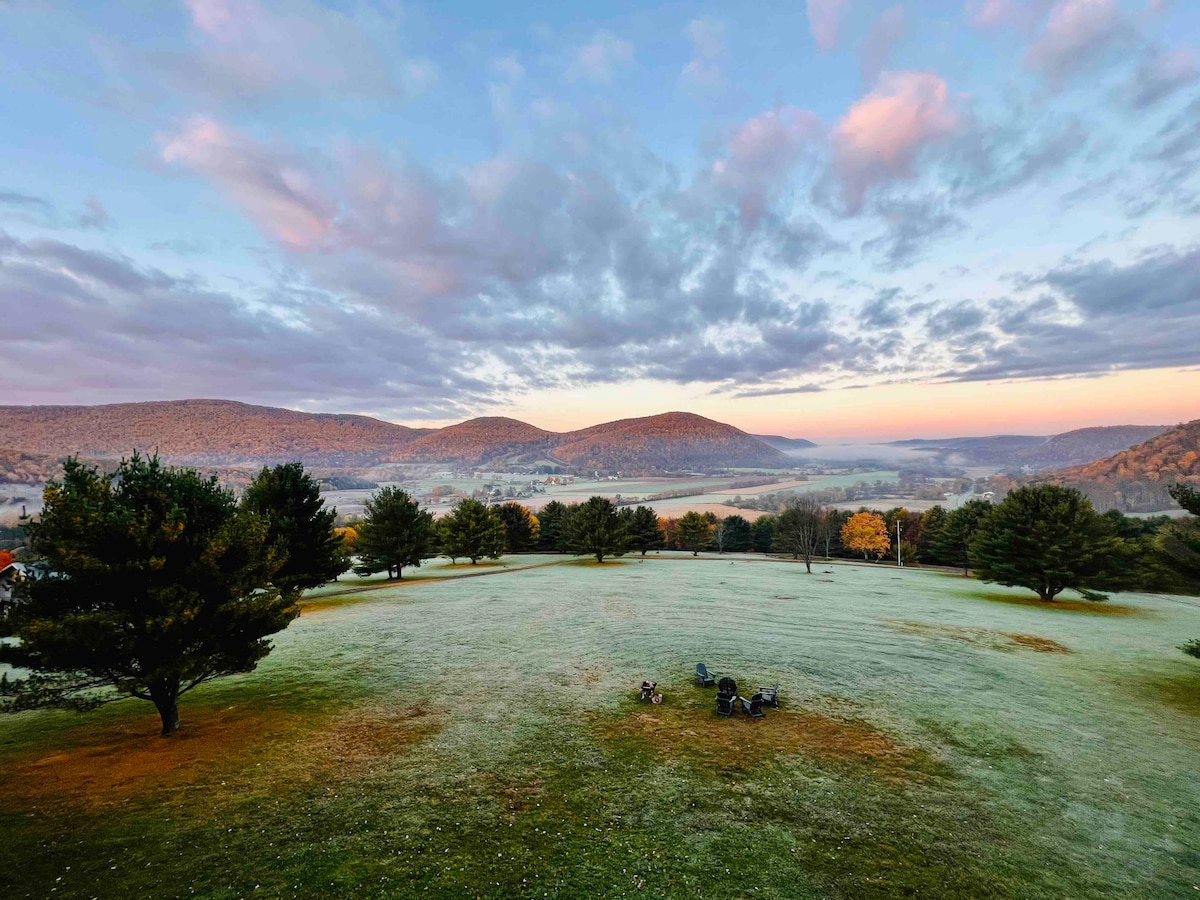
[
  {"x": 1046, "y": 538},
  {"x": 597, "y": 529},
  {"x": 394, "y": 533},
  {"x": 473, "y": 530},
  {"x": 149, "y": 581},
  {"x": 299, "y": 526},
  {"x": 643, "y": 531}
]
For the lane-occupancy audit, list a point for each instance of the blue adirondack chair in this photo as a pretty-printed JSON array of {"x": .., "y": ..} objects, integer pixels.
[
  {"x": 753, "y": 707},
  {"x": 703, "y": 678}
]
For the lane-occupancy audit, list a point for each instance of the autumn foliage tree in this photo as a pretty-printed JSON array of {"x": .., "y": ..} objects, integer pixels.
[
  {"x": 150, "y": 582},
  {"x": 6, "y": 558},
  {"x": 866, "y": 533}
]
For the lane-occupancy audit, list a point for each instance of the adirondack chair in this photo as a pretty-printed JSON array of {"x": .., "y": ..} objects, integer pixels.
[
  {"x": 648, "y": 690},
  {"x": 727, "y": 686},
  {"x": 770, "y": 695},
  {"x": 753, "y": 707},
  {"x": 703, "y": 678},
  {"x": 726, "y": 704}
]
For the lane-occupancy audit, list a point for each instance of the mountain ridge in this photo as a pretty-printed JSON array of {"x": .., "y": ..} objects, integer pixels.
[
  {"x": 1137, "y": 479},
  {"x": 207, "y": 432}
]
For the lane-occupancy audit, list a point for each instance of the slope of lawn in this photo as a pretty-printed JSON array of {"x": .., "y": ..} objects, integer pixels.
[{"x": 481, "y": 737}]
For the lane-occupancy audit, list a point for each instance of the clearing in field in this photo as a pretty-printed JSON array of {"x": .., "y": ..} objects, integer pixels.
[{"x": 480, "y": 736}]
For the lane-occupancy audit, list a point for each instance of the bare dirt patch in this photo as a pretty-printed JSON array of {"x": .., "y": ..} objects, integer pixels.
[
  {"x": 1006, "y": 641},
  {"x": 700, "y": 735}
]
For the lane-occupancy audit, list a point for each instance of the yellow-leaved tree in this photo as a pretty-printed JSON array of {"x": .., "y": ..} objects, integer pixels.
[{"x": 867, "y": 533}]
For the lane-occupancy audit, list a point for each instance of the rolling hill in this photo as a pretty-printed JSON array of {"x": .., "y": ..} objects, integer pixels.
[
  {"x": 675, "y": 441},
  {"x": 1015, "y": 451},
  {"x": 221, "y": 433},
  {"x": 201, "y": 432},
  {"x": 1136, "y": 480},
  {"x": 786, "y": 444}
]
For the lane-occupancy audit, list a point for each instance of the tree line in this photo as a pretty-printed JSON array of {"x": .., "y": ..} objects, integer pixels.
[{"x": 149, "y": 581}]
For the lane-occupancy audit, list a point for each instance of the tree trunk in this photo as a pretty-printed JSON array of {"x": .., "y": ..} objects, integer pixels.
[
  {"x": 166, "y": 701},
  {"x": 808, "y": 565},
  {"x": 599, "y": 556}
]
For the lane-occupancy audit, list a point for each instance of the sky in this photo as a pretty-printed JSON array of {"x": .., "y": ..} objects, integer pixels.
[{"x": 832, "y": 219}]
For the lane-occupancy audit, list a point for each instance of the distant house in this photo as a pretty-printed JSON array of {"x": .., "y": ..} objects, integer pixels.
[{"x": 9, "y": 576}]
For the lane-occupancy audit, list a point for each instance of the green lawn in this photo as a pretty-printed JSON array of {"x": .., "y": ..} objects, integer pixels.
[{"x": 480, "y": 737}]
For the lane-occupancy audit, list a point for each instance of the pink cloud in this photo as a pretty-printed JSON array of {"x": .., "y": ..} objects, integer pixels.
[
  {"x": 881, "y": 135},
  {"x": 761, "y": 152},
  {"x": 1075, "y": 32},
  {"x": 601, "y": 57},
  {"x": 245, "y": 50},
  {"x": 825, "y": 20},
  {"x": 990, "y": 13},
  {"x": 274, "y": 190},
  {"x": 703, "y": 72}
]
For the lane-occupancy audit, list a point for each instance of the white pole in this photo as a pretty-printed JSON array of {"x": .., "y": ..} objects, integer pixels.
[{"x": 899, "y": 564}]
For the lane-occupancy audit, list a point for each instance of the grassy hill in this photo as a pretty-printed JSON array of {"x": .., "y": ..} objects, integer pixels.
[{"x": 481, "y": 737}]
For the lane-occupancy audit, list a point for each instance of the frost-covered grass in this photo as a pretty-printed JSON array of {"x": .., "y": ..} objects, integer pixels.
[{"x": 479, "y": 737}]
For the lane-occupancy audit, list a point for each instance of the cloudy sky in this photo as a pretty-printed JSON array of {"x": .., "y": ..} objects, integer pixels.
[{"x": 829, "y": 219}]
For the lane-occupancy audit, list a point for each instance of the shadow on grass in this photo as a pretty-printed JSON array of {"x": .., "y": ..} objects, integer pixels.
[
  {"x": 1031, "y": 601},
  {"x": 95, "y": 765}
]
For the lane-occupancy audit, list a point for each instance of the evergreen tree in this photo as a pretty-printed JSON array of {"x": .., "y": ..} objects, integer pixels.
[
  {"x": 954, "y": 540},
  {"x": 694, "y": 532},
  {"x": 736, "y": 534},
  {"x": 552, "y": 519},
  {"x": 395, "y": 532},
  {"x": 150, "y": 581},
  {"x": 521, "y": 527},
  {"x": 932, "y": 523},
  {"x": 473, "y": 530},
  {"x": 762, "y": 534},
  {"x": 299, "y": 527},
  {"x": 1179, "y": 542},
  {"x": 1046, "y": 538},
  {"x": 644, "y": 533},
  {"x": 597, "y": 529}
]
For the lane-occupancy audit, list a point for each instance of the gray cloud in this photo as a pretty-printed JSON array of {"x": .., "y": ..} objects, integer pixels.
[
  {"x": 1159, "y": 74},
  {"x": 96, "y": 326},
  {"x": 1145, "y": 314}
]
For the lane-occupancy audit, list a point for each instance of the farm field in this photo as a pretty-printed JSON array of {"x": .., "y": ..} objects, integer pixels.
[
  {"x": 712, "y": 492},
  {"x": 481, "y": 737}
]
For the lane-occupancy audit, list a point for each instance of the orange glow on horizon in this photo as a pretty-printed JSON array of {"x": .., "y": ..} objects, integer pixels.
[{"x": 889, "y": 412}]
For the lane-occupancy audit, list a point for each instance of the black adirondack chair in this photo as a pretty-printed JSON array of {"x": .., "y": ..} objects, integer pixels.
[
  {"x": 648, "y": 690},
  {"x": 703, "y": 678},
  {"x": 727, "y": 686},
  {"x": 770, "y": 695},
  {"x": 753, "y": 707},
  {"x": 726, "y": 704}
]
